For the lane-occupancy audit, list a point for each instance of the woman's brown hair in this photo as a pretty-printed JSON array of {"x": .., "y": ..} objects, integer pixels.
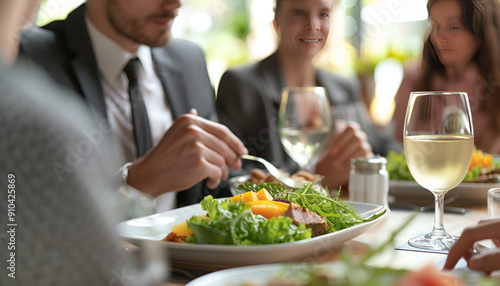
[{"x": 482, "y": 19}]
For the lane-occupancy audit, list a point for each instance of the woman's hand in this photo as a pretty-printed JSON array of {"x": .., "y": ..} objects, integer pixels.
[{"x": 464, "y": 247}]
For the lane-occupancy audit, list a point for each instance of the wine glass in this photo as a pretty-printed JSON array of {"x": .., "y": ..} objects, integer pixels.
[
  {"x": 304, "y": 122},
  {"x": 438, "y": 142}
]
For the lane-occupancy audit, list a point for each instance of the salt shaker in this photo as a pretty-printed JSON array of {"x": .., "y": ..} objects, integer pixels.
[{"x": 369, "y": 181}]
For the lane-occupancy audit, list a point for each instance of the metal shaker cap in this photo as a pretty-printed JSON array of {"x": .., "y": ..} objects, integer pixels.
[{"x": 374, "y": 164}]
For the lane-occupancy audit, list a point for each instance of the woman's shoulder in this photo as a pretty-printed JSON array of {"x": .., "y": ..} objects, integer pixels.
[
  {"x": 253, "y": 75},
  {"x": 242, "y": 76},
  {"x": 255, "y": 68}
]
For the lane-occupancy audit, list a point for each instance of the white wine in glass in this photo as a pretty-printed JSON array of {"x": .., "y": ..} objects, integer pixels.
[
  {"x": 304, "y": 122},
  {"x": 438, "y": 143}
]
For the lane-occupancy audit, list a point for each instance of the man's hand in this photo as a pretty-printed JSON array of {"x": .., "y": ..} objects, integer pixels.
[
  {"x": 193, "y": 149},
  {"x": 348, "y": 141}
]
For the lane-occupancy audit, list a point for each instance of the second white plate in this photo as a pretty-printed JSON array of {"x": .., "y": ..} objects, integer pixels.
[{"x": 464, "y": 193}]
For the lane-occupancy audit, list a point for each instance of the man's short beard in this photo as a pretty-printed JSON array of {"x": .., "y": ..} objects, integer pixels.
[{"x": 131, "y": 29}]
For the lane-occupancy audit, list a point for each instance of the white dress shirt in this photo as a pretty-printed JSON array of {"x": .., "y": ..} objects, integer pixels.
[{"x": 111, "y": 60}]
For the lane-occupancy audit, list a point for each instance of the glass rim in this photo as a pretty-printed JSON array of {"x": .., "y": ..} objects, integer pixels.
[
  {"x": 303, "y": 88},
  {"x": 494, "y": 192},
  {"x": 421, "y": 95},
  {"x": 437, "y": 92}
]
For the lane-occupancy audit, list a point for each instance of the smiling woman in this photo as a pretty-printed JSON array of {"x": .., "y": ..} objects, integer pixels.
[{"x": 302, "y": 28}]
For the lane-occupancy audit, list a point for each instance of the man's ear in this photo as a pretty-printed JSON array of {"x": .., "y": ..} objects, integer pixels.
[{"x": 276, "y": 27}]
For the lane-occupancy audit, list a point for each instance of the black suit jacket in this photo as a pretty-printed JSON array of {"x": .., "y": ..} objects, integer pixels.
[
  {"x": 64, "y": 50},
  {"x": 248, "y": 100}
]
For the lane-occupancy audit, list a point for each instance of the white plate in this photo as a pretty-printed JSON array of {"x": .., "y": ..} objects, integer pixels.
[
  {"x": 464, "y": 193},
  {"x": 259, "y": 274},
  {"x": 156, "y": 227},
  {"x": 235, "y": 182}
]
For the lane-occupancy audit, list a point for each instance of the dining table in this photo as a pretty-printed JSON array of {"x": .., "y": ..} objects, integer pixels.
[{"x": 392, "y": 256}]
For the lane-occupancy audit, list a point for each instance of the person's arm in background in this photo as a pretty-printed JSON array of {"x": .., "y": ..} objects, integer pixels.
[{"x": 348, "y": 141}]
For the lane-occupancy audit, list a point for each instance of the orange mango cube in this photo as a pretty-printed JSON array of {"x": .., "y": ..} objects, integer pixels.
[
  {"x": 263, "y": 194},
  {"x": 267, "y": 210},
  {"x": 181, "y": 229},
  {"x": 268, "y": 202},
  {"x": 245, "y": 197},
  {"x": 487, "y": 161}
]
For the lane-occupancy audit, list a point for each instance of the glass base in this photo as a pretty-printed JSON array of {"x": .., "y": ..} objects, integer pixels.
[{"x": 433, "y": 242}]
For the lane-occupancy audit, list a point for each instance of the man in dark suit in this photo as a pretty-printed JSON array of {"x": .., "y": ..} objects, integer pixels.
[
  {"x": 90, "y": 53},
  {"x": 248, "y": 97}
]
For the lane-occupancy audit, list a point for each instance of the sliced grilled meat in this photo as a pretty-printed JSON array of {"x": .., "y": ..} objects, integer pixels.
[{"x": 313, "y": 221}]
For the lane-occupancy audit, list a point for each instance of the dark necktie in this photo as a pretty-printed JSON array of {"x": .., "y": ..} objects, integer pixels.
[{"x": 142, "y": 131}]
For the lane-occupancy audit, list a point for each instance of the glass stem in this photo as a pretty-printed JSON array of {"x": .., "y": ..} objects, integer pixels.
[{"x": 438, "y": 229}]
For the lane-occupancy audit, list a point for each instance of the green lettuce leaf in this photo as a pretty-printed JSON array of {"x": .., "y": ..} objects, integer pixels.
[
  {"x": 397, "y": 167},
  {"x": 234, "y": 223}
]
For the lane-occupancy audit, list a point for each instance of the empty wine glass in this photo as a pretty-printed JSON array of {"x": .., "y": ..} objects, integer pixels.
[
  {"x": 438, "y": 143},
  {"x": 304, "y": 122}
]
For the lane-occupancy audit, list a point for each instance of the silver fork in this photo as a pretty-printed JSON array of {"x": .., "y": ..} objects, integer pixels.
[{"x": 279, "y": 175}]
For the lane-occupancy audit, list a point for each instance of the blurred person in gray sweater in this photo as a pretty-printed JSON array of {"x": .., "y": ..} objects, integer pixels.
[{"x": 58, "y": 168}]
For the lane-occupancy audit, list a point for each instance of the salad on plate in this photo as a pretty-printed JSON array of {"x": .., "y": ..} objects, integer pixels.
[{"x": 268, "y": 213}]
